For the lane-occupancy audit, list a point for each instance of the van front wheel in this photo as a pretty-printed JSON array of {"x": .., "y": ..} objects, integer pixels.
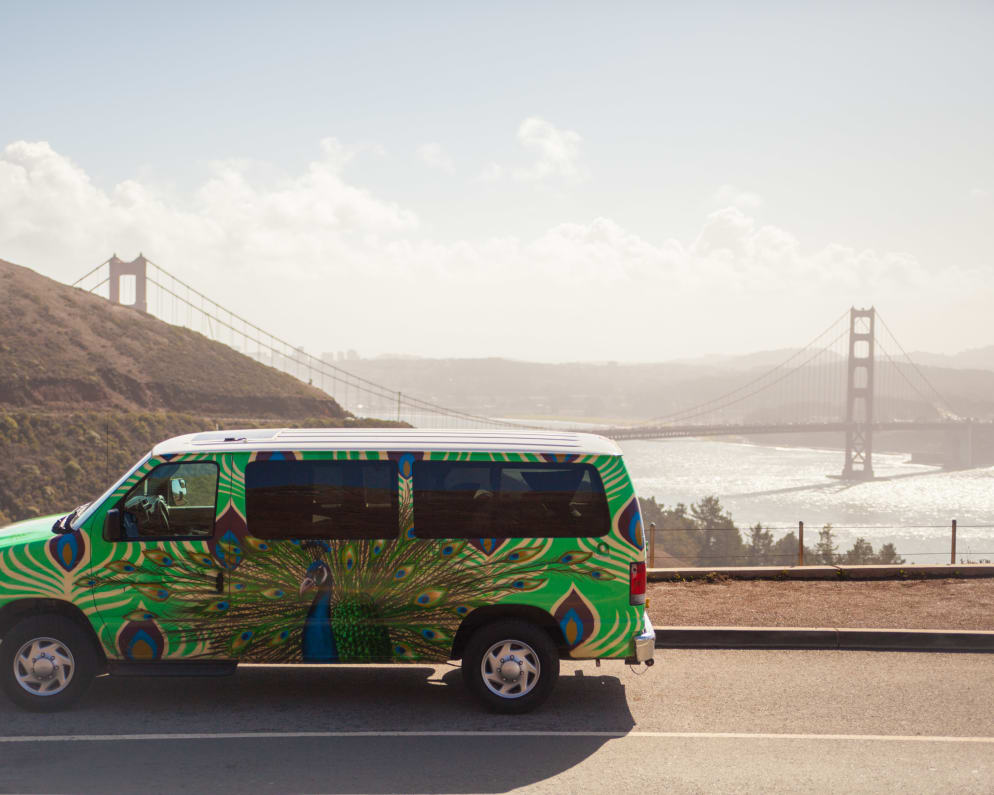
[
  {"x": 511, "y": 666},
  {"x": 46, "y": 662}
]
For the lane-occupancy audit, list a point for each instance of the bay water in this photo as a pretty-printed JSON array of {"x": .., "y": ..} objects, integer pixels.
[{"x": 909, "y": 505}]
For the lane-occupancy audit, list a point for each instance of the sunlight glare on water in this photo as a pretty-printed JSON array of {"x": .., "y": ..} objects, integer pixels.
[{"x": 910, "y": 505}]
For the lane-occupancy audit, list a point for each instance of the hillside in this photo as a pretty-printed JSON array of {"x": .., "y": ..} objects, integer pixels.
[
  {"x": 65, "y": 349},
  {"x": 87, "y": 387}
]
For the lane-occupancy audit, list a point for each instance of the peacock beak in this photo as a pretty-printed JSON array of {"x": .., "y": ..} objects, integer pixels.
[{"x": 307, "y": 583}]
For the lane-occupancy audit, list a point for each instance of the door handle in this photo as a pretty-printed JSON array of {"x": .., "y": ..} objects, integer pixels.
[{"x": 219, "y": 582}]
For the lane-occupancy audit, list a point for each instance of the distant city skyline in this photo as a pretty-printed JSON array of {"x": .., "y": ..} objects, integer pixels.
[{"x": 562, "y": 182}]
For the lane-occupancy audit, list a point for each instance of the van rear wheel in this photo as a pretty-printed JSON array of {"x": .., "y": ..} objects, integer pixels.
[
  {"x": 511, "y": 666},
  {"x": 46, "y": 663}
]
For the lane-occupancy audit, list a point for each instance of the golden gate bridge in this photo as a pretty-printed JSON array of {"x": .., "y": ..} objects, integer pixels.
[{"x": 853, "y": 378}]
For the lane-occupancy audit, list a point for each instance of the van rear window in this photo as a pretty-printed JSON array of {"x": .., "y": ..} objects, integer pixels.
[
  {"x": 464, "y": 499},
  {"x": 321, "y": 499}
]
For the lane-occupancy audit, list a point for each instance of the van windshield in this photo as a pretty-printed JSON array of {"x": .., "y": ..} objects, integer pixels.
[{"x": 87, "y": 510}]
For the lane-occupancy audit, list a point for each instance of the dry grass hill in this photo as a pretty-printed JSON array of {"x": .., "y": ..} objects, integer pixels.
[
  {"x": 86, "y": 387},
  {"x": 65, "y": 349}
]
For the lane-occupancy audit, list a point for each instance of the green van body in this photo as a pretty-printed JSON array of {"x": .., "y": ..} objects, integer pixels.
[{"x": 233, "y": 596}]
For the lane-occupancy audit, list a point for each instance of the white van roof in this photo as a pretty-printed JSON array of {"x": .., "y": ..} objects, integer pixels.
[{"x": 562, "y": 442}]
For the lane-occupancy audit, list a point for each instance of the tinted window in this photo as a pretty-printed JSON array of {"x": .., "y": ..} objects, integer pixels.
[
  {"x": 172, "y": 501},
  {"x": 321, "y": 499},
  {"x": 457, "y": 499}
]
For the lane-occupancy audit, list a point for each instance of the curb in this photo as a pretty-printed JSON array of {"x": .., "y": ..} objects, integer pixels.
[
  {"x": 901, "y": 572},
  {"x": 949, "y": 640}
]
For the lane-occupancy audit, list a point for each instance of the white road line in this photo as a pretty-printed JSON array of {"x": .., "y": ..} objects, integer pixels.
[{"x": 898, "y": 738}]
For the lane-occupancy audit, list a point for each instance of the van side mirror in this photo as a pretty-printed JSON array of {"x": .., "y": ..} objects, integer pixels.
[
  {"x": 177, "y": 490},
  {"x": 112, "y": 525}
]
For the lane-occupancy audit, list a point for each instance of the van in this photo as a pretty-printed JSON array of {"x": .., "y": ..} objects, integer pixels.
[{"x": 506, "y": 550}]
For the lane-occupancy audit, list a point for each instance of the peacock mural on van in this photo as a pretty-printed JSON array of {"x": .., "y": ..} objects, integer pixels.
[{"x": 339, "y": 600}]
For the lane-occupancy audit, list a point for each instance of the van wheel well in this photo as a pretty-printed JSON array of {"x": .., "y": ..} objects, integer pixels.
[
  {"x": 13, "y": 612},
  {"x": 491, "y": 613}
]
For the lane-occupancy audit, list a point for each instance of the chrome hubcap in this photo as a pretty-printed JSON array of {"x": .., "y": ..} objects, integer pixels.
[
  {"x": 510, "y": 669},
  {"x": 44, "y": 666}
]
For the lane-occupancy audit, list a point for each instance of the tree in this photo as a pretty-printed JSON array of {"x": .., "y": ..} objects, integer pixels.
[
  {"x": 759, "y": 550},
  {"x": 860, "y": 554},
  {"x": 825, "y": 548},
  {"x": 888, "y": 556},
  {"x": 721, "y": 543},
  {"x": 785, "y": 551},
  {"x": 676, "y": 532}
]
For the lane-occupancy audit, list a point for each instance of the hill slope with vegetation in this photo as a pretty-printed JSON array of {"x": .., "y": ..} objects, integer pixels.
[
  {"x": 87, "y": 387},
  {"x": 64, "y": 349}
]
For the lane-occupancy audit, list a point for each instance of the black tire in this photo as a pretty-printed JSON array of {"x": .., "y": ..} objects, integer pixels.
[
  {"x": 527, "y": 647},
  {"x": 56, "y": 638}
]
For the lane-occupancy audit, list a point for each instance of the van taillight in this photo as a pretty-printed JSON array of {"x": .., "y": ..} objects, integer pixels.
[{"x": 636, "y": 583}]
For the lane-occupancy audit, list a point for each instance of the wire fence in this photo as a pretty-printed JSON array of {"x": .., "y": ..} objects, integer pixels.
[{"x": 674, "y": 547}]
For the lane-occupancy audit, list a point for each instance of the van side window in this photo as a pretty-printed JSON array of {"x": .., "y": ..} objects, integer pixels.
[
  {"x": 172, "y": 501},
  {"x": 459, "y": 499},
  {"x": 321, "y": 499}
]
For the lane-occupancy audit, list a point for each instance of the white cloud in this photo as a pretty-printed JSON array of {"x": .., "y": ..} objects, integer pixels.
[
  {"x": 557, "y": 151},
  {"x": 434, "y": 156},
  {"x": 326, "y": 262},
  {"x": 731, "y": 196},
  {"x": 556, "y": 154}
]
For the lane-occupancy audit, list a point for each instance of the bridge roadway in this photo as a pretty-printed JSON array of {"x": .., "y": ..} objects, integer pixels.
[
  {"x": 744, "y": 429},
  {"x": 699, "y": 721}
]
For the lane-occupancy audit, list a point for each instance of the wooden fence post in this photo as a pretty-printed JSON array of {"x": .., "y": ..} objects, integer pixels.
[
  {"x": 952, "y": 552},
  {"x": 652, "y": 545}
]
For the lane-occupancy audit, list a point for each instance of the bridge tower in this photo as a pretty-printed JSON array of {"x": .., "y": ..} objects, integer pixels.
[
  {"x": 119, "y": 270},
  {"x": 859, "y": 396}
]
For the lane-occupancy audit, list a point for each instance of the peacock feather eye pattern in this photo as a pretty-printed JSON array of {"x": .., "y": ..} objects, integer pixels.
[
  {"x": 156, "y": 593},
  {"x": 430, "y": 597},
  {"x": 68, "y": 550},
  {"x": 488, "y": 546},
  {"x": 451, "y": 548},
  {"x": 523, "y": 555},
  {"x": 577, "y": 617},
  {"x": 159, "y": 557},
  {"x": 349, "y": 557},
  {"x": 122, "y": 566},
  {"x": 241, "y": 640},
  {"x": 630, "y": 524},
  {"x": 141, "y": 641}
]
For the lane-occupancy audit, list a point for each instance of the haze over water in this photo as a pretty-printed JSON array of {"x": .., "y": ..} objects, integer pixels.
[{"x": 779, "y": 486}]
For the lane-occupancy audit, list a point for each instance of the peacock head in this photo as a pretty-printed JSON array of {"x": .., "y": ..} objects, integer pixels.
[{"x": 317, "y": 574}]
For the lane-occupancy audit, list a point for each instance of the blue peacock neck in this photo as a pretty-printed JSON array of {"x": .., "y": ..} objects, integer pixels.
[{"x": 318, "y": 642}]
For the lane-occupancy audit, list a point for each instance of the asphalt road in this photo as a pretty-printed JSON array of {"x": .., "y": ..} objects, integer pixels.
[{"x": 699, "y": 721}]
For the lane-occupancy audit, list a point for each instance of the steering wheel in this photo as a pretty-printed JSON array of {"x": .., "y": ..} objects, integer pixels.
[{"x": 149, "y": 509}]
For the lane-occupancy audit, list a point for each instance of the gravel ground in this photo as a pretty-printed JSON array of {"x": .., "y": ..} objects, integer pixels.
[{"x": 914, "y": 604}]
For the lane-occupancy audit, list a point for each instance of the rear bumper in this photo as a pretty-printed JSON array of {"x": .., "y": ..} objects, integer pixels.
[{"x": 645, "y": 644}]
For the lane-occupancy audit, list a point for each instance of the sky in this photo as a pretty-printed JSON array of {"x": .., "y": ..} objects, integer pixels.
[{"x": 543, "y": 181}]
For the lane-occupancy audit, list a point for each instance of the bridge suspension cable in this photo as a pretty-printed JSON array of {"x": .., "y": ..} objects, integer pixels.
[
  {"x": 809, "y": 387},
  {"x": 734, "y": 396},
  {"x": 353, "y": 392},
  {"x": 939, "y": 399}
]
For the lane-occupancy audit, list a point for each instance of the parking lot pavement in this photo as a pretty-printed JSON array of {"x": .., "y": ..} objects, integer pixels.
[{"x": 722, "y": 721}]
